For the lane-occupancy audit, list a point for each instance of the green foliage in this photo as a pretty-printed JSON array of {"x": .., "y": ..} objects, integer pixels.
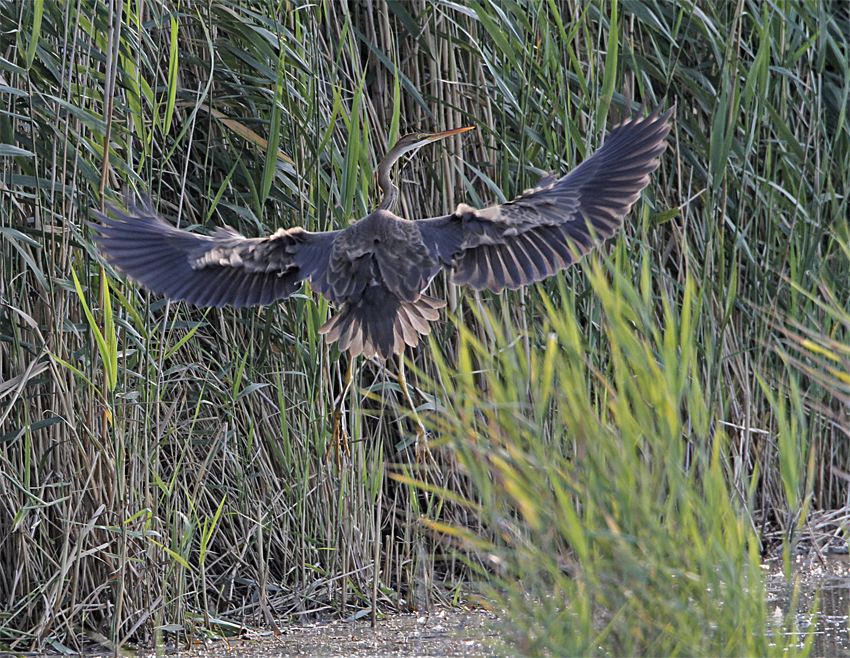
[
  {"x": 605, "y": 481},
  {"x": 159, "y": 461}
]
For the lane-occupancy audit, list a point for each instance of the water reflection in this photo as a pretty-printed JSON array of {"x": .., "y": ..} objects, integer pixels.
[{"x": 827, "y": 578}]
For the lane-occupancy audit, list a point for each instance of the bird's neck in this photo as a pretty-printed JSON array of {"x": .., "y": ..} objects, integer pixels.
[{"x": 389, "y": 190}]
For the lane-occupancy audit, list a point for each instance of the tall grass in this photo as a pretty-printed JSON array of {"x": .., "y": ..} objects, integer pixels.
[
  {"x": 604, "y": 480},
  {"x": 628, "y": 437}
]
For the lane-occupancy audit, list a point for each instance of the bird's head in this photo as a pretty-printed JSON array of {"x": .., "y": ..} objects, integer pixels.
[
  {"x": 414, "y": 141},
  {"x": 406, "y": 144}
]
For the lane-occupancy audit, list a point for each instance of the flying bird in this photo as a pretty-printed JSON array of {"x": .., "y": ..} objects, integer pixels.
[{"x": 376, "y": 270}]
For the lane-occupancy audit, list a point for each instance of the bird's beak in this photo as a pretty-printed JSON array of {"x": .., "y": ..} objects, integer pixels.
[{"x": 446, "y": 133}]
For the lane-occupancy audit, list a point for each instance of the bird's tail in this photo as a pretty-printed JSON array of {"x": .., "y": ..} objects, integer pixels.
[{"x": 379, "y": 323}]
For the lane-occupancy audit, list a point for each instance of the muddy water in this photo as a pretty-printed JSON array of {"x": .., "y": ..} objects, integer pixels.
[
  {"x": 827, "y": 579},
  {"x": 470, "y": 634},
  {"x": 443, "y": 633}
]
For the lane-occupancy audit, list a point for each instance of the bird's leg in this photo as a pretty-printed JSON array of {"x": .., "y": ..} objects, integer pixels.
[
  {"x": 338, "y": 432},
  {"x": 421, "y": 442}
]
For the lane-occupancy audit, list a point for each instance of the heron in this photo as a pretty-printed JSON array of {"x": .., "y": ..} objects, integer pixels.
[{"x": 377, "y": 270}]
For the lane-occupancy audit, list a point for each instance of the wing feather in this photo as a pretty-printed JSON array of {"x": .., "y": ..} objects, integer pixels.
[
  {"x": 496, "y": 280},
  {"x": 222, "y": 268},
  {"x": 546, "y": 228},
  {"x": 510, "y": 259}
]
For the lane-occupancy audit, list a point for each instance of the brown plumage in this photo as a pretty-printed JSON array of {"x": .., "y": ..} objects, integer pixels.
[{"x": 377, "y": 269}]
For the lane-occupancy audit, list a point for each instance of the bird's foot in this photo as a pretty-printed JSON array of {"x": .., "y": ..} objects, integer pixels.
[
  {"x": 339, "y": 440},
  {"x": 421, "y": 448}
]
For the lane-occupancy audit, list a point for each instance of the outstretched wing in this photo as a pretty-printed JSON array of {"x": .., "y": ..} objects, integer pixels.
[
  {"x": 549, "y": 227},
  {"x": 223, "y": 268}
]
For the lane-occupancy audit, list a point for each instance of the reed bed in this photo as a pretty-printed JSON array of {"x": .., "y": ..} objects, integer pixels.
[{"x": 613, "y": 450}]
